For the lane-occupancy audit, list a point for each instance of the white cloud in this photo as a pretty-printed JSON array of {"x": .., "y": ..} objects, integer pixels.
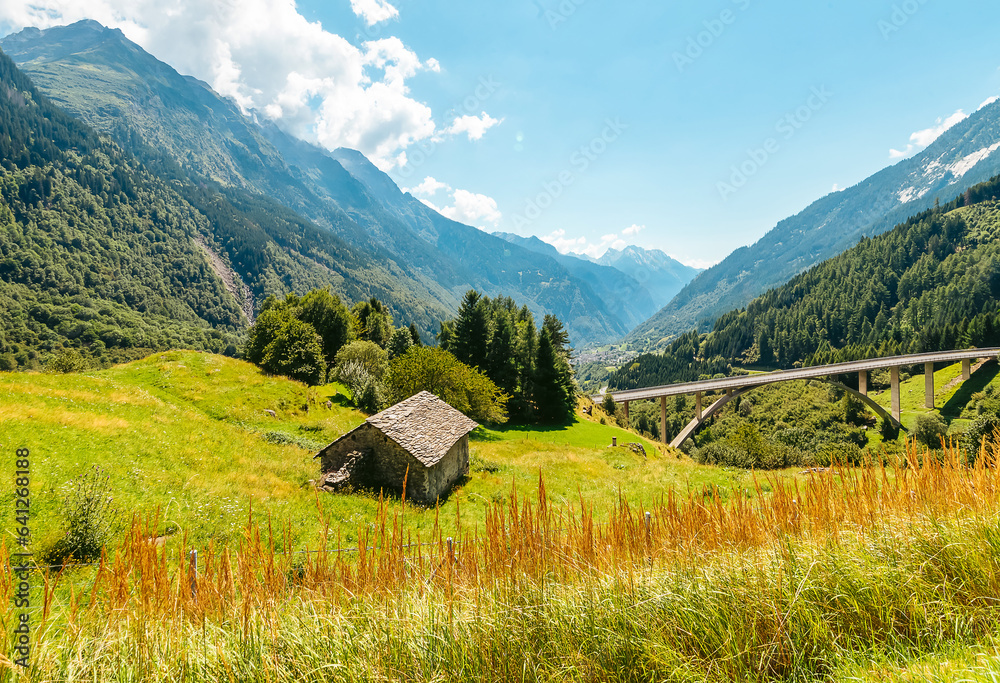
[
  {"x": 374, "y": 11},
  {"x": 472, "y": 209},
  {"x": 699, "y": 263},
  {"x": 473, "y": 126},
  {"x": 923, "y": 138},
  {"x": 428, "y": 187},
  {"x": 266, "y": 56},
  {"x": 988, "y": 102},
  {"x": 837, "y": 188},
  {"x": 633, "y": 230},
  {"x": 580, "y": 245},
  {"x": 562, "y": 243},
  {"x": 466, "y": 207}
]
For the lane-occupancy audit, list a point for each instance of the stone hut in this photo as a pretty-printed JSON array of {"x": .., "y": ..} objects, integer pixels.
[{"x": 423, "y": 434}]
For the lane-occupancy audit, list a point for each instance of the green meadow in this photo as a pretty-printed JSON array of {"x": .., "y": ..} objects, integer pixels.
[
  {"x": 185, "y": 438},
  {"x": 865, "y": 574}
]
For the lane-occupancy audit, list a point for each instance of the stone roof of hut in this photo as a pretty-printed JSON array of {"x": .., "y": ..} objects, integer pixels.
[{"x": 424, "y": 425}]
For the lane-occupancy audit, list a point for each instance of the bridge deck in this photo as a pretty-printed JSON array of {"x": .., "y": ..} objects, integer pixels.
[{"x": 728, "y": 383}]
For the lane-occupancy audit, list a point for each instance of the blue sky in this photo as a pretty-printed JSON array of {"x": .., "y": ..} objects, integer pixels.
[{"x": 591, "y": 123}]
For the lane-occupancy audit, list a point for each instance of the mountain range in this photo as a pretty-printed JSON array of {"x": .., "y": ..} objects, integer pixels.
[
  {"x": 636, "y": 282},
  {"x": 277, "y": 214},
  {"x": 966, "y": 154},
  {"x": 423, "y": 261}
]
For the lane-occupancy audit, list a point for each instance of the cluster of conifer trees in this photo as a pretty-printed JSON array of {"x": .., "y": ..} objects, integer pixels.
[
  {"x": 530, "y": 365},
  {"x": 315, "y": 338}
]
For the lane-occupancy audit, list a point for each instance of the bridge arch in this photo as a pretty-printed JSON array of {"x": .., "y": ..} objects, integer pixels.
[{"x": 694, "y": 424}]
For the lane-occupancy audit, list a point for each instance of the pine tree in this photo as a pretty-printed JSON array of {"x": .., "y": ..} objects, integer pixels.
[
  {"x": 399, "y": 343},
  {"x": 472, "y": 333},
  {"x": 501, "y": 359},
  {"x": 374, "y": 321},
  {"x": 415, "y": 335},
  {"x": 555, "y": 393}
]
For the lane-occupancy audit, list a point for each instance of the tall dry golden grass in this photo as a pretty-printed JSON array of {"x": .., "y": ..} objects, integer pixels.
[{"x": 524, "y": 541}]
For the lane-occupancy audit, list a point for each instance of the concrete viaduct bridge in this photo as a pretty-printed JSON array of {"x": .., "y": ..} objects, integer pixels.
[{"x": 737, "y": 386}]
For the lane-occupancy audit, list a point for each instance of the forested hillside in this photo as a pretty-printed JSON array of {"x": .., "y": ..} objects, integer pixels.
[
  {"x": 96, "y": 253},
  {"x": 932, "y": 283}
]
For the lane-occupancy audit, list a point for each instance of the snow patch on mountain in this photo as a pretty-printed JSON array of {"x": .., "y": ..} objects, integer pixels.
[
  {"x": 964, "y": 165},
  {"x": 935, "y": 171}
]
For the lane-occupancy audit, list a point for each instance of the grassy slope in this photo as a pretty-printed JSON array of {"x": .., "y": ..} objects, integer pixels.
[
  {"x": 949, "y": 402},
  {"x": 186, "y": 433}
]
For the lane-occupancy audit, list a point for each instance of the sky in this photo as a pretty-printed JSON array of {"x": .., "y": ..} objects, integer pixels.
[{"x": 588, "y": 123}]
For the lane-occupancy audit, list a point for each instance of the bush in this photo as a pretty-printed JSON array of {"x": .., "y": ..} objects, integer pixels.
[
  {"x": 435, "y": 370},
  {"x": 281, "y": 344},
  {"x": 399, "y": 343},
  {"x": 370, "y": 355},
  {"x": 296, "y": 352},
  {"x": 90, "y": 520},
  {"x": 983, "y": 430},
  {"x": 67, "y": 361},
  {"x": 367, "y": 392},
  {"x": 608, "y": 405},
  {"x": 929, "y": 430},
  {"x": 888, "y": 430},
  {"x": 371, "y": 399}
]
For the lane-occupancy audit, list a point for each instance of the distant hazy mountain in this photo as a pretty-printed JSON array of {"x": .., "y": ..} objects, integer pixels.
[
  {"x": 114, "y": 85},
  {"x": 661, "y": 275},
  {"x": 967, "y": 154},
  {"x": 619, "y": 291}
]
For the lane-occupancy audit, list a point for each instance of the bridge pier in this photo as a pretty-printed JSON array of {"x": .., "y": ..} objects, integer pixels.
[
  {"x": 894, "y": 383},
  {"x": 928, "y": 385},
  {"x": 734, "y": 387},
  {"x": 663, "y": 419},
  {"x": 626, "y": 413}
]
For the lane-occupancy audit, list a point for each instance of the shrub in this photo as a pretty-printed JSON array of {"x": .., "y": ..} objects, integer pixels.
[
  {"x": 983, "y": 430},
  {"x": 370, "y": 355},
  {"x": 888, "y": 430},
  {"x": 608, "y": 405},
  {"x": 371, "y": 399},
  {"x": 399, "y": 343},
  {"x": 67, "y": 361},
  {"x": 435, "y": 370},
  {"x": 296, "y": 352},
  {"x": 367, "y": 392},
  {"x": 90, "y": 520},
  {"x": 929, "y": 430},
  {"x": 281, "y": 344},
  {"x": 716, "y": 453}
]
